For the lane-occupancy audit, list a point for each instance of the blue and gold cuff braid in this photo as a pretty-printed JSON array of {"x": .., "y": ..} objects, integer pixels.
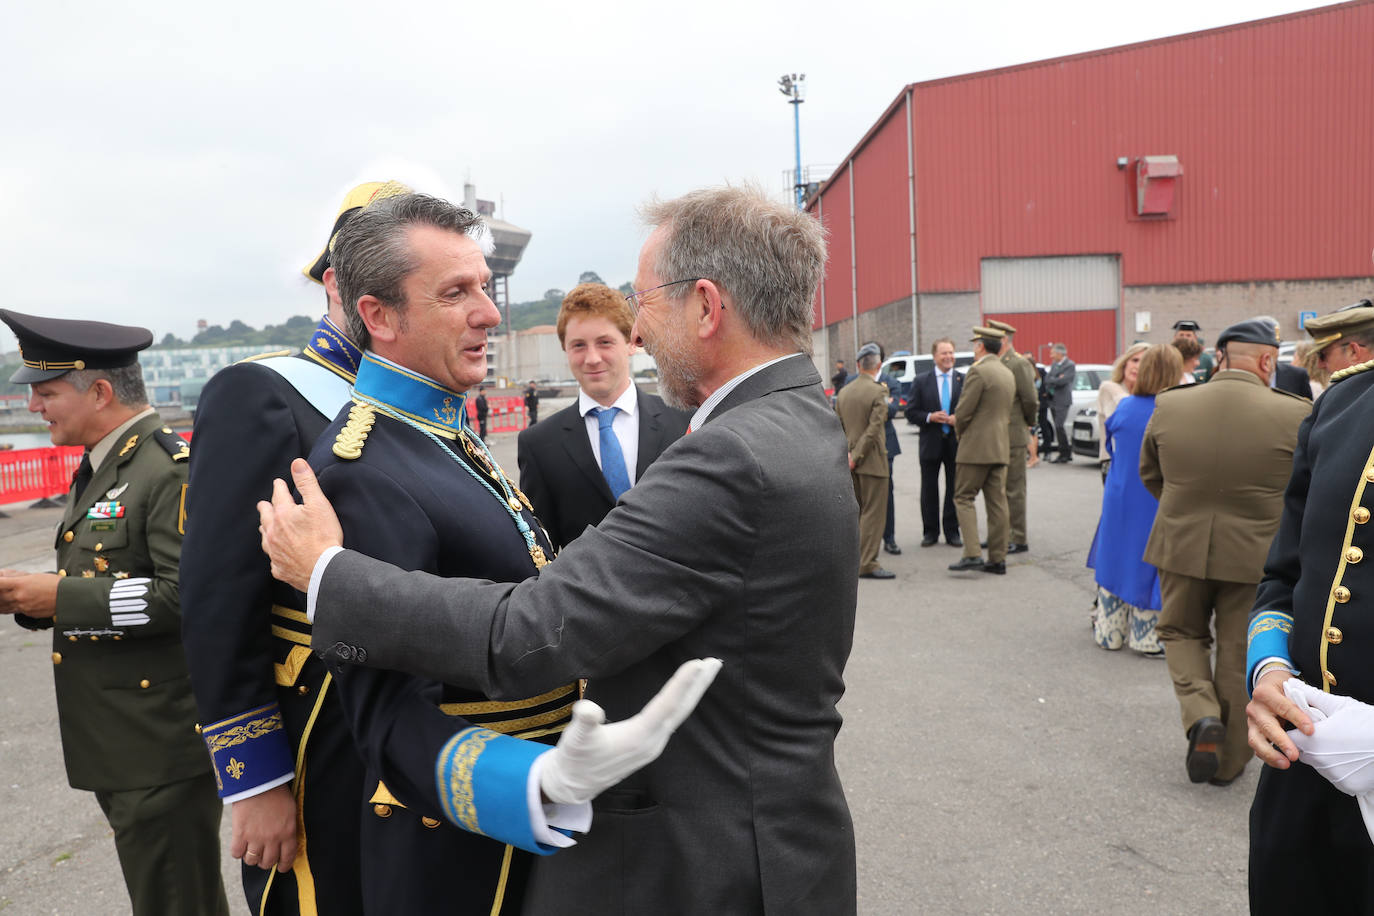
[
  {"x": 248, "y": 750},
  {"x": 483, "y": 778},
  {"x": 1267, "y": 638}
]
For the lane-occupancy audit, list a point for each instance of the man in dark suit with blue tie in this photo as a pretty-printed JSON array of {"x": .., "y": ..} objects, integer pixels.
[
  {"x": 577, "y": 465},
  {"x": 934, "y": 397}
]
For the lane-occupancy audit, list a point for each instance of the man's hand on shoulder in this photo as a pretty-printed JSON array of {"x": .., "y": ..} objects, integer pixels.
[
  {"x": 295, "y": 535},
  {"x": 264, "y": 829}
]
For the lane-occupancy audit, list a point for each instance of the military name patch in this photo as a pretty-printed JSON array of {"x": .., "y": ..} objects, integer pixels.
[
  {"x": 106, "y": 510},
  {"x": 107, "y": 525}
]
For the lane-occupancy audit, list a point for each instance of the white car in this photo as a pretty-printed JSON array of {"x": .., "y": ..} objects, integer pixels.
[{"x": 1082, "y": 422}]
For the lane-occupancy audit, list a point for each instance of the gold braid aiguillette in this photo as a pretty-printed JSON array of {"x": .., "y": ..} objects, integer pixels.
[{"x": 348, "y": 445}]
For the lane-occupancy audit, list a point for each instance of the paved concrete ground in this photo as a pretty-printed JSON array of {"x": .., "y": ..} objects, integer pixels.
[{"x": 996, "y": 761}]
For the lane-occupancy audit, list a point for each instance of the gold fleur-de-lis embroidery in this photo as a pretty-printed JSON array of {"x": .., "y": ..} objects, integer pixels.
[
  {"x": 449, "y": 415},
  {"x": 235, "y": 768}
]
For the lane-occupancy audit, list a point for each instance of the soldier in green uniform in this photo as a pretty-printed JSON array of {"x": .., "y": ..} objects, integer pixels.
[
  {"x": 980, "y": 422},
  {"x": 1023, "y": 408},
  {"x": 1217, "y": 457},
  {"x": 123, "y": 696}
]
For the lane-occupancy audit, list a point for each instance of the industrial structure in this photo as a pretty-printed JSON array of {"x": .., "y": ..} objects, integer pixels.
[
  {"x": 509, "y": 243},
  {"x": 1095, "y": 199}
]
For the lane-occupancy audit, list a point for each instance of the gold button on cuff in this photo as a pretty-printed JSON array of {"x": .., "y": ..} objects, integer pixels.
[
  {"x": 61, "y": 574},
  {"x": 69, "y": 537},
  {"x": 1360, "y": 515},
  {"x": 303, "y": 690},
  {"x": 382, "y": 810},
  {"x": 430, "y": 822},
  {"x": 1329, "y": 678},
  {"x": 1342, "y": 594},
  {"x": 145, "y": 683},
  {"x": 1334, "y": 636},
  {"x": 57, "y": 658}
]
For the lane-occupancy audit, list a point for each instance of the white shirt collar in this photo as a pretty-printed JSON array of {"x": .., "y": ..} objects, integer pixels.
[
  {"x": 628, "y": 402},
  {"x": 704, "y": 411}
]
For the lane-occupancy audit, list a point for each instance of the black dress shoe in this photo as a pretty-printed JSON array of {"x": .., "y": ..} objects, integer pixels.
[
  {"x": 892, "y": 548},
  {"x": 955, "y": 542},
  {"x": 1063, "y": 459},
  {"x": 1204, "y": 744},
  {"x": 878, "y": 573},
  {"x": 966, "y": 563},
  {"x": 999, "y": 568},
  {"x": 1017, "y": 548},
  {"x": 928, "y": 541}
]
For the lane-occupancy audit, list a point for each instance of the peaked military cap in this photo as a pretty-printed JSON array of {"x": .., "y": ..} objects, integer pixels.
[
  {"x": 1353, "y": 319},
  {"x": 52, "y": 347},
  {"x": 869, "y": 349},
  {"x": 1001, "y": 326},
  {"x": 353, "y": 201},
  {"x": 988, "y": 334},
  {"x": 1255, "y": 331},
  {"x": 1187, "y": 324}
]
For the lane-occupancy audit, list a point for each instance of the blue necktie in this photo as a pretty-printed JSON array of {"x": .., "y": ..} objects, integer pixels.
[
  {"x": 944, "y": 397},
  {"x": 612, "y": 458}
]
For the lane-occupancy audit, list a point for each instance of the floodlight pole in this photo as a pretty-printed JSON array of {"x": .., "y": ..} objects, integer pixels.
[{"x": 792, "y": 86}]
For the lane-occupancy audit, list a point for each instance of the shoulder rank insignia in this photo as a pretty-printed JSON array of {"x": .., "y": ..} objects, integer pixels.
[
  {"x": 172, "y": 444},
  {"x": 348, "y": 445},
  {"x": 268, "y": 355},
  {"x": 1351, "y": 370}
]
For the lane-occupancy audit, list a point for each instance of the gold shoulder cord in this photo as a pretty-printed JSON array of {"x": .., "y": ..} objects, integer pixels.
[{"x": 348, "y": 445}]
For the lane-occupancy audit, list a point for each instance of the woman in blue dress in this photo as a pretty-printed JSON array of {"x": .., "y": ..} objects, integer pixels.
[{"x": 1128, "y": 587}]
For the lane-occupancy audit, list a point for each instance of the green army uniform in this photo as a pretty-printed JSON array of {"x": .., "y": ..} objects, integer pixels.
[
  {"x": 124, "y": 699},
  {"x": 1023, "y": 409},
  {"x": 980, "y": 465},
  {"x": 862, "y": 407}
]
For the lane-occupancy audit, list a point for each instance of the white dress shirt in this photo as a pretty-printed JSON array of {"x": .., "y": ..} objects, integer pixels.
[
  {"x": 625, "y": 426},
  {"x": 704, "y": 411}
]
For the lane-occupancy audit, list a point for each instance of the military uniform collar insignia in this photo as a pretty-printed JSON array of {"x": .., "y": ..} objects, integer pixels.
[
  {"x": 412, "y": 395},
  {"x": 331, "y": 348}
]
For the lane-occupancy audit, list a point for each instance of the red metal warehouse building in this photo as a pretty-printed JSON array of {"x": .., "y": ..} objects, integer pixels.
[{"x": 1095, "y": 199}]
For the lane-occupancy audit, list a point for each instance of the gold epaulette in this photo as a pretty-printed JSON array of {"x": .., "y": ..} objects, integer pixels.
[
  {"x": 253, "y": 359},
  {"x": 1351, "y": 370},
  {"x": 348, "y": 445},
  {"x": 175, "y": 446}
]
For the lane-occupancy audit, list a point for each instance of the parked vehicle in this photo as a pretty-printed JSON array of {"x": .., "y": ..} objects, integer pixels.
[{"x": 1082, "y": 422}]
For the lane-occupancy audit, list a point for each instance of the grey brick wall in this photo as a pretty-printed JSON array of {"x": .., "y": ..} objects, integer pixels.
[{"x": 1216, "y": 306}]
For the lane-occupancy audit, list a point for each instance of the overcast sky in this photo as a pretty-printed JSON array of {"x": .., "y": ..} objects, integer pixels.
[{"x": 165, "y": 162}]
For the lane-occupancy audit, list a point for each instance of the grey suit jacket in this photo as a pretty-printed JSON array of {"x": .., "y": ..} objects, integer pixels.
[
  {"x": 1059, "y": 379},
  {"x": 740, "y": 542}
]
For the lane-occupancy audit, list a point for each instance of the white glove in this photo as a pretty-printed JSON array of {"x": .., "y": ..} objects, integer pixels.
[
  {"x": 591, "y": 756},
  {"x": 1341, "y": 746}
]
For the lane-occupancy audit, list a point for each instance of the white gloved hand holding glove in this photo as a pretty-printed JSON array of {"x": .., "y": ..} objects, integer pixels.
[
  {"x": 592, "y": 756},
  {"x": 1341, "y": 746}
]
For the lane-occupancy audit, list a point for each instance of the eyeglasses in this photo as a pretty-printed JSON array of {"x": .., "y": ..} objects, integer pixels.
[{"x": 633, "y": 298}]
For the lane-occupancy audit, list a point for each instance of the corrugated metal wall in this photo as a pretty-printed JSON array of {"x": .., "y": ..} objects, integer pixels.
[
  {"x": 883, "y": 215},
  {"x": 1272, "y": 122},
  {"x": 834, "y": 210},
  {"x": 1089, "y": 335}
]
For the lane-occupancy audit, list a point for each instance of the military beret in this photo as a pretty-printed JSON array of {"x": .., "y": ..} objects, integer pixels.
[
  {"x": 988, "y": 334},
  {"x": 869, "y": 349},
  {"x": 52, "y": 347},
  {"x": 1001, "y": 326},
  {"x": 1352, "y": 319},
  {"x": 353, "y": 201},
  {"x": 1255, "y": 331},
  {"x": 1187, "y": 324}
]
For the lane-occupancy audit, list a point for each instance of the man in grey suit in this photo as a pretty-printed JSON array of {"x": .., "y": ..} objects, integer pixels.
[
  {"x": 1059, "y": 380},
  {"x": 744, "y": 812}
]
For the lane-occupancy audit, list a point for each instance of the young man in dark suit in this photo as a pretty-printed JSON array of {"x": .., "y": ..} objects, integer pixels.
[
  {"x": 934, "y": 397},
  {"x": 575, "y": 467}
]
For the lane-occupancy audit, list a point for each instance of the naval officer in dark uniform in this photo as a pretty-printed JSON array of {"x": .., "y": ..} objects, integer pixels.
[
  {"x": 123, "y": 699},
  {"x": 1310, "y": 849},
  {"x": 284, "y": 759},
  {"x": 453, "y": 792}
]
